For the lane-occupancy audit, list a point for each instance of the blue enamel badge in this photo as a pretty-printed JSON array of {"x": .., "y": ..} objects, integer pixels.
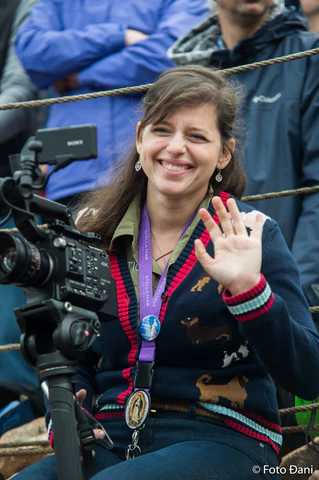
[{"x": 150, "y": 328}]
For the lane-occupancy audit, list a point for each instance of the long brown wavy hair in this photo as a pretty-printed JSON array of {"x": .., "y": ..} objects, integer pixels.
[{"x": 187, "y": 86}]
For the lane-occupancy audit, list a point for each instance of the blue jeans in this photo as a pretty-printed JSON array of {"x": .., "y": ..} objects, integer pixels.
[{"x": 179, "y": 446}]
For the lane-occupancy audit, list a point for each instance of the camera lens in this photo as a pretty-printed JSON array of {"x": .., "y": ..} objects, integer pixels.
[
  {"x": 8, "y": 261},
  {"x": 22, "y": 263}
]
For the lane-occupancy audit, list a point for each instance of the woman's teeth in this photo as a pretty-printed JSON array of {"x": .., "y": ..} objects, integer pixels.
[{"x": 176, "y": 168}]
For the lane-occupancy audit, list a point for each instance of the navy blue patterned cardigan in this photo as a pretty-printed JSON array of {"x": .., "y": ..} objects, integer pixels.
[{"x": 220, "y": 351}]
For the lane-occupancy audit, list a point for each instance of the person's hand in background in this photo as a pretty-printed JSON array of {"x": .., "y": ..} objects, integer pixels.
[
  {"x": 66, "y": 84},
  {"x": 133, "y": 36}
]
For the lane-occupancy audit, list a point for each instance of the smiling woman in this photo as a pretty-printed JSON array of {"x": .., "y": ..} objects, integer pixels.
[
  {"x": 211, "y": 314},
  {"x": 180, "y": 154},
  {"x": 185, "y": 139}
]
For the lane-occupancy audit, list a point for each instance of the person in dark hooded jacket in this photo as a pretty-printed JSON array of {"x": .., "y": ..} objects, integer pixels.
[{"x": 280, "y": 112}]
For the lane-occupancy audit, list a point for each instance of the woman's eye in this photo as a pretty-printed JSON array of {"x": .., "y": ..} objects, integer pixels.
[
  {"x": 198, "y": 138},
  {"x": 160, "y": 130}
]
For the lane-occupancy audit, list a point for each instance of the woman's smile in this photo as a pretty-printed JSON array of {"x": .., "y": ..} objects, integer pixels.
[{"x": 175, "y": 167}]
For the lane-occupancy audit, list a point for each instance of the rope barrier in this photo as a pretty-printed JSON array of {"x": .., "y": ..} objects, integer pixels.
[
  {"x": 15, "y": 230},
  {"x": 301, "y": 408},
  {"x": 10, "y": 347},
  {"x": 283, "y": 193},
  {"x": 76, "y": 98},
  {"x": 271, "y": 61},
  {"x": 142, "y": 88},
  {"x": 297, "y": 429},
  {"x": 31, "y": 443},
  {"x": 26, "y": 451}
]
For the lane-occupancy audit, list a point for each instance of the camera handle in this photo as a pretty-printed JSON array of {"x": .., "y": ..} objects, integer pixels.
[{"x": 54, "y": 347}]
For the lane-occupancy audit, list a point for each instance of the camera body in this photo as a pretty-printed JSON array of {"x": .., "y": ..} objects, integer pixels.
[
  {"x": 65, "y": 277},
  {"x": 60, "y": 262},
  {"x": 64, "y": 265}
]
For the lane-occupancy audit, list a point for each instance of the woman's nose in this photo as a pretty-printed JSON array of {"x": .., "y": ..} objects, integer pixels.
[{"x": 176, "y": 145}]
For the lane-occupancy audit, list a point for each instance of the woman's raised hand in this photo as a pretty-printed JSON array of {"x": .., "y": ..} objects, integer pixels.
[{"x": 237, "y": 256}]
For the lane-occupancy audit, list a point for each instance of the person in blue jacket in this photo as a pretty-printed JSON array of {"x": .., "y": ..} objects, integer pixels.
[
  {"x": 210, "y": 308},
  {"x": 280, "y": 112},
  {"x": 82, "y": 46}
]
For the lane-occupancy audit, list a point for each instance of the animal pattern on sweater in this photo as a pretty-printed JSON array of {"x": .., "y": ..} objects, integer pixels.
[
  {"x": 234, "y": 390},
  {"x": 229, "y": 358},
  {"x": 201, "y": 284},
  {"x": 198, "y": 333}
]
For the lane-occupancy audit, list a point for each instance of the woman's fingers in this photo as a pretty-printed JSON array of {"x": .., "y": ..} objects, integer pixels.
[
  {"x": 80, "y": 396},
  {"x": 231, "y": 223},
  {"x": 236, "y": 218},
  {"x": 98, "y": 433},
  {"x": 201, "y": 253},
  {"x": 203, "y": 257},
  {"x": 210, "y": 224},
  {"x": 223, "y": 216},
  {"x": 259, "y": 226}
]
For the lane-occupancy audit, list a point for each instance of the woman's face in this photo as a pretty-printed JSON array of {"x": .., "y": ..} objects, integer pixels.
[{"x": 180, "y": 154}]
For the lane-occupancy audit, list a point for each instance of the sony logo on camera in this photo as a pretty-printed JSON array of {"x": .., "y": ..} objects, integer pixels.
[
  {"x": 78, "y": 142},
  {"x": 73, "y": 143}
]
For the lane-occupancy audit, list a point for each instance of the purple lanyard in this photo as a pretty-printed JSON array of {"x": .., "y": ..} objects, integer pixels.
[
  {"x": 150, "y": 307},
  {"x": 149, "y": 304}
]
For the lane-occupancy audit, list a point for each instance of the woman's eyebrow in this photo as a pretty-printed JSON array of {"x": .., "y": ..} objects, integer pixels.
[{"x": 194, "y": 129}]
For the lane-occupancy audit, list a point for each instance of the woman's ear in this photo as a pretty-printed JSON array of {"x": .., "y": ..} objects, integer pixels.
[
  {"x": 226, "y": 155},
  {"x": 138, "y": 139}
]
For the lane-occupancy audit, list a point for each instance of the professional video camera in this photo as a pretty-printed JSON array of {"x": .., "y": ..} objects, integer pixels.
[{"x": 65, "y": 277}]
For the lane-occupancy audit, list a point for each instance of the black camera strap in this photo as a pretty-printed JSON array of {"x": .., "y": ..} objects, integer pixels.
[
  {"x": 86, "y": 424},
  {"x": 87, "y": 441}
]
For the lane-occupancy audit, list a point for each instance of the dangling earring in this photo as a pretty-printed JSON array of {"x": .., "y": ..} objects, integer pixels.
[
  {"x": 138, "y": 165},
  {"x": 219, "y": 177}
]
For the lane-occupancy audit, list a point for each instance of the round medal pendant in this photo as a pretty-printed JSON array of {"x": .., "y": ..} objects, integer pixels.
[
  {"x": 137, "y": 408},
  {"x": 150, "y": 327}
]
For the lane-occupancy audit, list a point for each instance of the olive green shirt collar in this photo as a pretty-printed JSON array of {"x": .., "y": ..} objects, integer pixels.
[{"x": 129, "y": 227}]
